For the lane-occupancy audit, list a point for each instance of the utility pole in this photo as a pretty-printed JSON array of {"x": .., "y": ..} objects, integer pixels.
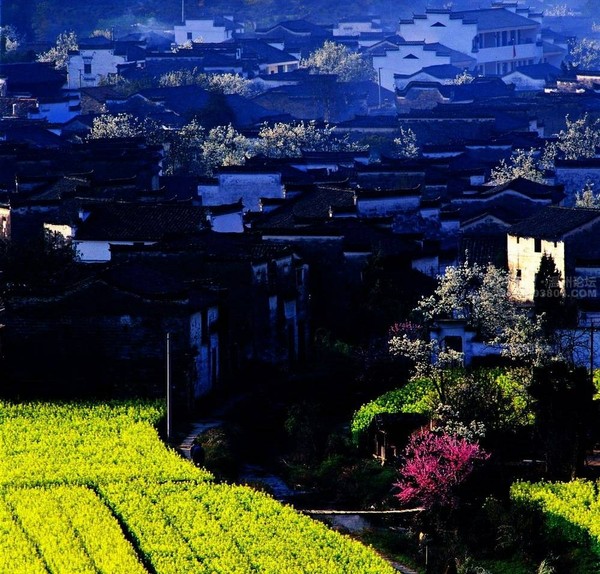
[
  {"x": 379, "y": 85},
  {"x": 183, "y": 11},
  {"x": 168, "y": 377}
]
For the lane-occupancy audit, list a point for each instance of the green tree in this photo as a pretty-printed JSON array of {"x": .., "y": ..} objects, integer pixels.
[
  {"x": 522, "y": 163},
  {"x": 479, "y": 295},
  {"x": 564, "y": 414},
  {"x": 59, "y": 54},
  {"x": 548, "y": 296},
  {"x": 337, "y": 59}
]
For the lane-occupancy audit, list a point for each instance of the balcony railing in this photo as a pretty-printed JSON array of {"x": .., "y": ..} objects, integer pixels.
[{"x": 503, "y": 53}]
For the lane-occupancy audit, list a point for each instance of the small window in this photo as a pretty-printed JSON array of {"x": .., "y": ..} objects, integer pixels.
[
  {"x": 537, "y": 245},
  {"x": 518, "y": 274},
  {"x": 87, "y": 68},
  {"x": 454, "y": 343},
  {"x": 411, "y": 57},
  {"x": 189, "y": 35},
  {"x": 438, "y": 25}
]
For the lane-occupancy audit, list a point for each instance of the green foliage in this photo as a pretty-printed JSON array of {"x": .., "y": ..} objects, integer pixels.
[
  {"x": 84, "y": 444},
  {"x": 90, "y": 487},
  {"x": 221, "y": 458},
  {"x": 69, "y": 529},
  {"x": 195, "y": 527},
  {"x": 417, "y": 396},
  {"x": 571, "y": 509},
  {"x": 513, "y": 389},
  {"x": 509, "y": 566},
  {"x": 596, "y": 379}
]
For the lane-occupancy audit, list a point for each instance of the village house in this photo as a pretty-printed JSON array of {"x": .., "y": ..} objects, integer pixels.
[
  {"x": 102, "y": 226},
  {"x": 237, "y": 183},
  {"x": 210, "y": 30},
  {"x": 575, "y": 175},
  {"x": 33, "y": 90},
  {"x": 98, "y": 58},
  {"x": 297, "y": 37},
  {"x": 265, "y": 295},
  {"x": 397, "y": 55},
  {"x": 357, "y": 27},
  {"x": 569, "y": 235},
  {"x": 500, "y": 38},
  {"x": 535, "y": 77},
  {"x": 104, "y": 336}
]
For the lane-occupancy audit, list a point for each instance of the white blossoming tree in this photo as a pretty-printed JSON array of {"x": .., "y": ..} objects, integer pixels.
[
  {"x": 587, "y": 198},
  {"x": 59, "y": 53},
  {"x": 334, "y": 58},
  {"x": 522, "y": 163},
  {"x": 406, "y": 144}
]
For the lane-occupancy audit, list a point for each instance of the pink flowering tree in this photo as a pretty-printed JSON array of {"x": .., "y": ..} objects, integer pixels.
[{"x": 434, "y": 466}]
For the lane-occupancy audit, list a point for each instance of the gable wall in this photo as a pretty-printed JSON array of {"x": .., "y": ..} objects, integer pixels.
[
  {"x": 523, "y": 256},
  {"x": 453, "y": 33}
]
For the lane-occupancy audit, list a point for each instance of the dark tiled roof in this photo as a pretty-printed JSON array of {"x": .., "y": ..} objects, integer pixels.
[
  {"x": 296, "y": 27},
  {"x": 545, "y": 72},
  {"x": 495, "y": 19},
  {"x": 442, "y": 71},
  {"x": 312, "y": 205},
  {"x": 553, "y": 222},
  {"x": 131, "y": 222},
  {"x": 484, "y": 249},
  {"x": 526, "y": 187},
  {"x": 39, "y": 78},
  {"x": 264, "y": 52}
]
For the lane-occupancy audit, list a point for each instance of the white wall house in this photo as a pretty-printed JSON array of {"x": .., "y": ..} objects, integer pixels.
[
  {"x": 566, "y": 234},
  {"x": 357, "y": 27},
  {"x": 388, "y": 203},
  {"x": 58, "y": 111},
  {"x": 408, "y": 57},
  {"x": 209, "y": 30},
  {"x": 249, "y": 186},
  {"x": 499, "y": 38},
  {"x": 89, "y": 250},
  {"x": 94, "y": 60}
]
